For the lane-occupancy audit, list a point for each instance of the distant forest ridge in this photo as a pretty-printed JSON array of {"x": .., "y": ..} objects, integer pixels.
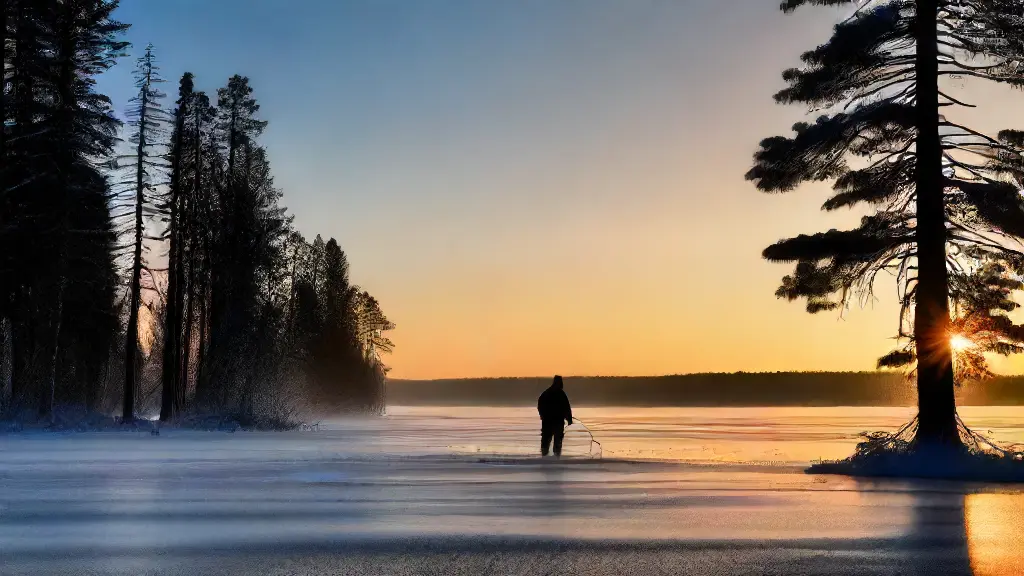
[{"x": 736, "y": 389}]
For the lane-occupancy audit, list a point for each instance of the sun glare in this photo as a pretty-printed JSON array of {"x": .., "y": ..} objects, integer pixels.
[{"x": 960, "y": 343}]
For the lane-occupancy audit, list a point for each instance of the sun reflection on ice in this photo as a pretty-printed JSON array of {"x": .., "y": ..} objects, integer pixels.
[{"x": 995, "y": 527}]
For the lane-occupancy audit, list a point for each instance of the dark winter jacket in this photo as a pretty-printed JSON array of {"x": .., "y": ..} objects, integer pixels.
[{"x": 553, "y": 407}]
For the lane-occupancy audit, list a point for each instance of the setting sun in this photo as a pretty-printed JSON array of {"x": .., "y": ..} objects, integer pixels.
[{"x": 960, "y": 343}]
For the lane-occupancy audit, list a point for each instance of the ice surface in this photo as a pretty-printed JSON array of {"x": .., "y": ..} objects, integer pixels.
[{"x": 460, "y": 490}]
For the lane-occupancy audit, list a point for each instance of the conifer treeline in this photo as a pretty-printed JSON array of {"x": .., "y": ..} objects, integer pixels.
[{"x": 182, "y": 237}]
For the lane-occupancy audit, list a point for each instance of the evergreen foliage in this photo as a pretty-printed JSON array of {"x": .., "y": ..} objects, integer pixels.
[
  {"x": 947, "y": 220},
  {"x": 144, "y": 172},
  {"x": 170, "y": 270},
  {"x": 57, "y": 236}
]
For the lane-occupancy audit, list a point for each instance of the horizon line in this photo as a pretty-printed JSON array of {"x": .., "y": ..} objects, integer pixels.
[{"x": 676, "y": 375}]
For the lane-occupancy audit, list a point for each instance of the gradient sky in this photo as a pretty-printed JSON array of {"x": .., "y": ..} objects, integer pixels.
[{"x": 538, "y": 186}]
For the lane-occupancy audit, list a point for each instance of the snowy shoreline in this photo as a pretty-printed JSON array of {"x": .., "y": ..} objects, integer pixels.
[{"x": 464, "y": 491}]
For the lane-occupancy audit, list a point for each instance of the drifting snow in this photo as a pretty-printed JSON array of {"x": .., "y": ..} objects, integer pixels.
[
  {"x": 77, "y": 419},
  {"x": 462, "y": 491}
]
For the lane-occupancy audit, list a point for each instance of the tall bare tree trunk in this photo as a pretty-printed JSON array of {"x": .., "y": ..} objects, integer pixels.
[
  {"x": 46, "y": 394},
  {"x": 936, "y": 403},
  {"x": 172, "y": 325},
  {"x": 131, "y": 345},
  {"x": 171, "y": 375},
  {"x": 6, "y": 364},
  {"x": 186, "y": 350},
  {"x": 65, "y": 165}
]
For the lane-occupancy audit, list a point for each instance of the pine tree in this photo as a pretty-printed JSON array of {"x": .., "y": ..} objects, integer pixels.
[
  {"x": 233, "y": 275},
  {"x": 263, "y": 230},
  {"x": 196, "y": 225},
  {"x": 248, "y": 300},
  {"x": 371, "y": 326},
  {"x": 6, "y": 75},
  {"x": 146, "y": 118},
  {"x": 201, "y": 227},
  {"x": 372, "y": 323},
  {"x": 172, "y": 395},
  {"x": 92, "y": 321},
  {"x": 189, "y": 198},
  {"x": 887, "y": 140},
  {"x": 22, "y": 200},
  {"x": 59, "y": 128},
  {"x": 335, "y": 328}
]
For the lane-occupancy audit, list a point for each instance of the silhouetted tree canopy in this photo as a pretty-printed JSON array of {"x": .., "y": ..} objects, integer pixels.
[
  {"x": 948, "y": 215},
  {"x": 178, "y": 234}
]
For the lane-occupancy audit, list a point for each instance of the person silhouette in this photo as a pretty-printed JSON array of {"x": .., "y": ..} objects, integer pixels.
[{"x": 553, "y": 407}]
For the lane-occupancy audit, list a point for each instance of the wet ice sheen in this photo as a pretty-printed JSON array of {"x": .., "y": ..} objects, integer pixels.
[{"x": 696, "y": 481}]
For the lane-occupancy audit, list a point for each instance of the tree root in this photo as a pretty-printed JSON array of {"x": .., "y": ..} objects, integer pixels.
[{"x": 902, "y": 454}]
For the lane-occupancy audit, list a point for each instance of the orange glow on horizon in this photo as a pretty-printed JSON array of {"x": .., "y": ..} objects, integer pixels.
[{"x": 614, "y": 235}]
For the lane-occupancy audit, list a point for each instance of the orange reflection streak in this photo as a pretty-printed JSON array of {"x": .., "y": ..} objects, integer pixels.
[{"x": 995, "y": 528}]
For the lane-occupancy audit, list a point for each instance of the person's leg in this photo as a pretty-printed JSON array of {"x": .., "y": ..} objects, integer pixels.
[
  {"x": 545, "y": 441},
  {"x": 559, "y": 434}
]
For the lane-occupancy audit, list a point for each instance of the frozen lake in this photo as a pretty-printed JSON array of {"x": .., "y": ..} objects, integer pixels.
[{"x": 460, "y": 491}]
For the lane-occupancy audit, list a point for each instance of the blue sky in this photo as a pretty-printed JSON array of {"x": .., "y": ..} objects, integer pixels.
[{"x": 534, "y": 186}]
